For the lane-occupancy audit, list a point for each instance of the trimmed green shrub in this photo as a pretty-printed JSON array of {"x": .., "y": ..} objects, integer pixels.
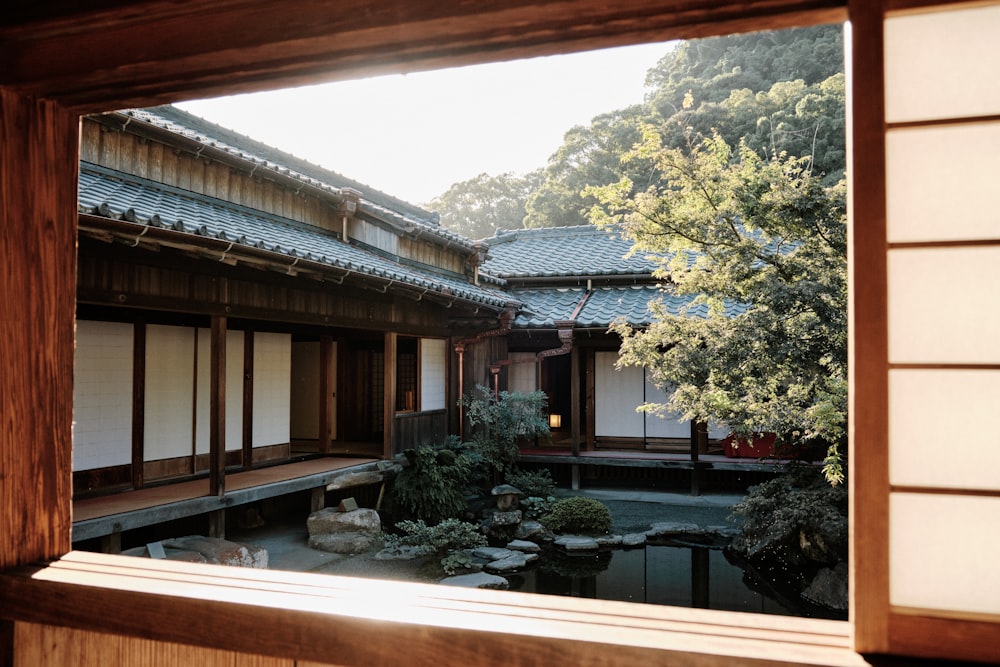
[
  {"x": 578, "y": 515},
  {"x": 533, "y": 483},
  {"x": 439, "y": 539},
  {"x": 432, "y": 487}
]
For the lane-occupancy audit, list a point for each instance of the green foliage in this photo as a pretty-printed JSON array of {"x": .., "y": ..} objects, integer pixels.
[
  {"x": 796, "y": 518},
  {"x": 578, "y": 515},
  {"x": 763, "y": 244},
  {"x": 532, "y": 482},
  {"x": 499, "y": 422},
  {"x": 457, "y": 562},
  {"x": 535, "y": 507},
  {"x": 438, "y": 539},
  {"x": 432, "y": 487},
  {"x": 476, "y": 208}
]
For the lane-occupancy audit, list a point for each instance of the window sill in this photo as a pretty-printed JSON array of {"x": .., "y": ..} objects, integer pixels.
[{"x": 348, "y": 620}]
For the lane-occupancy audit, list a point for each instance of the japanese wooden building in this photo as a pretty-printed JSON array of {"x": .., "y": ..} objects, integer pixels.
[{"x": 924, "y": 112}]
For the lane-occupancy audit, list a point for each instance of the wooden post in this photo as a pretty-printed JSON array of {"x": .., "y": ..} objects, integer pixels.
[
  {"x": 325, "y": 394},
  {"x": 38, "y": 184},
  {"x": 138, "y": 403},
  {"x": 389, "y": 395},
  {"x": 317, "y": 499},
  {"x": 574, "y": 397},
  {"x": 217, "y": 410},
  {"x": 590, "y": 393},
  {"x": 217, "y": 524},
  {"x": 694, "y": 447},
  {"x": 247, "y": 400}
]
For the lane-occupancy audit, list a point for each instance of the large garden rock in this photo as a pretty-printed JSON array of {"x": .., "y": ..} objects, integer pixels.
[
  {"x": 330, "y": 521},
  {"x": 353, "y": 532},
  {"x": 200, "y": 549},
  {"x": 829, "y": 588}
]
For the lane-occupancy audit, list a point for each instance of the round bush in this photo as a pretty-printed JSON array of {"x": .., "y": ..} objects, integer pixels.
[{"x": 578, "y": 515}]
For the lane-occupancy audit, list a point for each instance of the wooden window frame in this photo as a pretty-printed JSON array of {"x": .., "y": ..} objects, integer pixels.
[{"x": 149, "y": 52}]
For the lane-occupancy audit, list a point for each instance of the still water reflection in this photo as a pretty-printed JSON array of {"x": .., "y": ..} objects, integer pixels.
[{"x": 683, "y": 576}]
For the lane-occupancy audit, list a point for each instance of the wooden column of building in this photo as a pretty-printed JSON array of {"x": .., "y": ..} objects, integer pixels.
[
  {"x": 574, "y": 397},
  {"x": 247, "y": 444},
  {"x": 217, "y": 424},
  {"x": 590, "y": 393},
  {"x": 38, "y": 184},
  {"x": 389, "y": 395},
  {"x": 326, "y": 359},
  {"x": 138, "y": 403}
]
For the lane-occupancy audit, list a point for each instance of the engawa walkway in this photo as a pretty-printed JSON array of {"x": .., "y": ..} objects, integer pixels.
[
  {"x": 642, "y": 459},
  {"x": 106, "y": 515}
]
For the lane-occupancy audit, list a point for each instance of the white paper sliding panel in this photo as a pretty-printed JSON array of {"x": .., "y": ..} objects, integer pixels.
[
  {"x": 305, "y": 390},
  {"x": 234, "y": 390},
  {"x": 949, "y": 161},
  {"x": 433, "y": 355},
  {"x": 940, "y": 420},
  {"x": 942, "y": 64},
  {"x": 943, "y": 552},
  {"x": 170, "y": 390},
  {"x": 102, "y": 395},
  {"x": 272, "y": 379},
  {"x": 617, "y": 394},
  {"x": 522, "y": 375},
  {"x": 670, "y": 425},
  {"x": 944, "y": 305}
]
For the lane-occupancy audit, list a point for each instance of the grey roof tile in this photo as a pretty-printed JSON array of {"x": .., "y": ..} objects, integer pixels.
[
  {"x": 121, "y": 196},
  {"x": 585, "y": 250},
  {"x": 372, "y": 202},
  {"x": 542, "y": 307}
]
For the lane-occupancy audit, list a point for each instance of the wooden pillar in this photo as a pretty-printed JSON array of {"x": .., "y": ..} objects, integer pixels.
[
  {"x": 694, "y": 448},
  {"x": 217, "y": 408},
  {"x": 247, "y": 400},
  {"x": 574, "y": 397},
  {"x": 317, "y": 499},
  {"x": 138, "y": 404},
  {"x": 590, "y": 392},
  {"x": 389, "y": 395},
  {"x": 38, "y": 183},
  {"x": 326, "y": 365}
]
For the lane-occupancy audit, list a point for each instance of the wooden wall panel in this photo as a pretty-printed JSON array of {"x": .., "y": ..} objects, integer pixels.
[
  {"x": 48, "y": 646},
  {"x": 38, "y": 171}
]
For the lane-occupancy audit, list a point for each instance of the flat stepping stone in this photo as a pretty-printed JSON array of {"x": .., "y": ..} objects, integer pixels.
[
  {"x": 634, "y": 540},
  {"x": 492, "y": 553},
  {"x": 524, "y": 546},
  {"x": 610, "y": 541},
  {"x": 477, "y": 580},
  {"x": 577, "y": 543},
  {"x": 516, "y": 561}
]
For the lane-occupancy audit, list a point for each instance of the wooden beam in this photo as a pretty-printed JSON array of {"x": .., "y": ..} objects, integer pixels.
[
  {"x": 217, "y": 409},
  {"x": 149, "y": 54},
  {"x": 38, "y": 175},
  {"x": 311, "y": 617}
]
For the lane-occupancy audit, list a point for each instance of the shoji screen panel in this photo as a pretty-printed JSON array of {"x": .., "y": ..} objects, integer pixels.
[{"x": 942, "y": 109}]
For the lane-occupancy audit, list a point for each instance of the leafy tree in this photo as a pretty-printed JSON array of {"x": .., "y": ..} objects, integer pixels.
[
  {"x": 476, "y": 208},
  {"x": 589, "y": 155},
  {"x": 762, "y": 237}
]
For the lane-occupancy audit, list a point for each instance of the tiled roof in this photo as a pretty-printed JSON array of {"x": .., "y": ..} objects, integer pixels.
[
  {"x": 117, "y": 195},
  {"x": 585, "y": 250},
  {"x": 373, "y": 202},
  {"x": 543, "y": 307}
]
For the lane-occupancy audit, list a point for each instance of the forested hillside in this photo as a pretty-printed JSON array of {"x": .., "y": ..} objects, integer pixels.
[{"x": 781, "y": 92}]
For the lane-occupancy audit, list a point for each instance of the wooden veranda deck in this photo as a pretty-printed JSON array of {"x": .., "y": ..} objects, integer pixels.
[
  {"x": 644, "y": 459},
  {"x": 106, "y": 515}
]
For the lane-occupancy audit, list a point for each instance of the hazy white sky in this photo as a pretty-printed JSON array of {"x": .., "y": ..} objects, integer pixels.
[{"x": 414, "y": 135}]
